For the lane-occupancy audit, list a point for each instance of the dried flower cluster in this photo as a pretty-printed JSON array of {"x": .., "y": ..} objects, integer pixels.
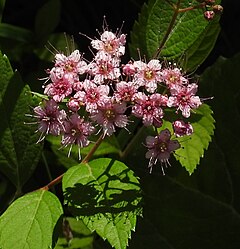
[{"x": 108, "y": 92}]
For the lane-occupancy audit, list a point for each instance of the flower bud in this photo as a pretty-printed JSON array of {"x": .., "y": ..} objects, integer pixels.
[
  {"x": 209, "y": 15},
  {"x": 218, "y": 9}
]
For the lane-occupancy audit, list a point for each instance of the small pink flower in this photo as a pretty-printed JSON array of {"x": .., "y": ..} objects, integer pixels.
[
  {"x": 50, "y": 119},
  {"x": 92, "y": 95},
  {"x": 149, "y": 108},
  {"x": 129, "y": 69},
  {"x": 147, "y": 75},
  {"x": 181, "y": 128},
  {"x": 76, "y": 132},
  {"x": 109, "y": 115},
  {"x": 104, "y": 68},
  {"x": 72, "y": 63},
  {"x": 73, "y": 104},
  {"x": 59, "y": 89},
  {"x": 173, "y": 76},
  {"x": 110, "y": 43},
  {"x": 159, "y": 148},
  {"x": 125, "y": 91},
  {"x": 183, "y": 97}
]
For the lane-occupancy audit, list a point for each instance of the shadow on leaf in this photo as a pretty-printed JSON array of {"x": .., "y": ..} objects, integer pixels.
[{"x": 107, "y": 193}]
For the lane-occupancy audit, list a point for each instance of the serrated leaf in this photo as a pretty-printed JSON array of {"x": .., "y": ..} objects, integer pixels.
[
  {"x": 30, "y": 221},
  {"x": 191, "y": 35},
  {"x": 193, "y": 148},
  {"x": 19, "y": 152},
  {"x": 198, "y": 52},
  {"x": 105, "y": 194}
]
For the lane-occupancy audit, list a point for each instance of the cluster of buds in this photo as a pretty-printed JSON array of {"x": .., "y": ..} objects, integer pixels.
[
  {"x": 85, "y": 98},
  {"x": 211, "y": 8}
]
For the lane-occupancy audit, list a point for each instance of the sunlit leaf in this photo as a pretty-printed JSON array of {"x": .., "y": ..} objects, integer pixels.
[
  {"x": 192, "y": 148},
  {"x": 105, "y": 194},
  {"x": 191, "y": 37},
  {"x": 30, "y": 221}
]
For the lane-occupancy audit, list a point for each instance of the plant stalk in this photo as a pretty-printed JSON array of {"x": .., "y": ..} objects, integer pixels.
[{"x": 85, "y": 160}]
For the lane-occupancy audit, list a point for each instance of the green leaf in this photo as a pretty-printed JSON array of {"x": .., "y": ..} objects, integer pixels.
[
  {"x": 19, "y": 152},
  {"x": 198, "y": 52},
  {"x": 30, "y": 221},
  {"x": 193, "y": 148},
  {"x": 15, "y": 33},
  {"x": 2, "y": 5},
  {"x": 76, "y": 235},
  {"x": 191, "y": 34},
  {"x": 47, "y": 18},
  {"x": 106, "y": 195}
]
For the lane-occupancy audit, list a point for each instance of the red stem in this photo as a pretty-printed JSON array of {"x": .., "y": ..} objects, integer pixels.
[{"x": 85, "y": 160}]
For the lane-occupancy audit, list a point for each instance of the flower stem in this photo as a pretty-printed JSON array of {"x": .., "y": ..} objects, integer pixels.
[
  {"x": 85, "y": 160},
  {"x": 177, "y": 10},
  {"x": 199, "y": 6},
  {"x": 169, "y": 29},
  {"x": 94, "y": 148},
  {"x": 52, "y": 183}
]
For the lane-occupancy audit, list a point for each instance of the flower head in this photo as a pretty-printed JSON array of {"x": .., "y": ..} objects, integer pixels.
[
  {"x": 76, "y": 132},
  {"x": 183, "y": 97},
  {"x": 109, "y": 114},
  {"x": 59, "y": 89},
  {"x": 50, "y": 119},
  {"x": 92, "y": 95},
  {"x": 173, "y": 76},
  {"x": 147, "y": 74},
  {"x": 149, "y": 108},
  {"x": 159, "y": 148},
  {"x": 110, "y": 43},
  {"x": 104, "y": 68}
]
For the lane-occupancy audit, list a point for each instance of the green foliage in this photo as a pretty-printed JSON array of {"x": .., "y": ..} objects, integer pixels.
[
  {"x": 19, "y": 153},
  {"x": 105, "y": 194},
  {"x": 201, "y": 211},
  {"x": 31, "y": 221},
  {"x": 15, "y": 33},
  {"x": 47, "y": 18},
  {"x": 191, "y": 37},
  {"x": 193, "y": 147}
]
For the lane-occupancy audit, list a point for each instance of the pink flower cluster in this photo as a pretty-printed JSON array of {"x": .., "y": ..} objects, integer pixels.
[{"x": 108, "y": 92}]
